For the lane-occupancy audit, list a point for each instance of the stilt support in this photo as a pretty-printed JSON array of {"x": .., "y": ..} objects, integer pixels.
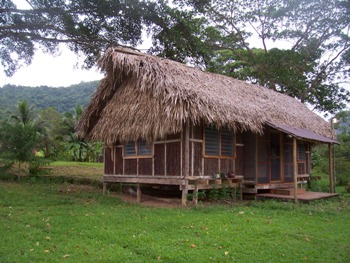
[
  {"x": 104, "y": 187},
  {"x": 138, "y": 193},
  {"x": 184, "y": 194}
]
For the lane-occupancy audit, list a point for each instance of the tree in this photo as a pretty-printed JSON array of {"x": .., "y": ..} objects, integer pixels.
[
  {"x": 342, "y": 151},
  {"x": 77, "y": 148},
  {"x": 19, "y": 136},
  {"x": 90, "y": 26},
  {"x": 247, "y": 37},
  {"x": 24, "y": 114},
  {"x": 51, "y": 122}
]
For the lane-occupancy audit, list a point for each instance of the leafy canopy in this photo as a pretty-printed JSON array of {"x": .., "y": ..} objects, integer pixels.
[
  {"x": 297, "y": 47},
  {"x": 90, "y": 26}
]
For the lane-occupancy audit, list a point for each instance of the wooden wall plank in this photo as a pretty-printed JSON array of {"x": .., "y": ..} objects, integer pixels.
[
  {"x": 159, "y": 162},
  {"x": 108, "y": 167},
  {"x": 130, "y": 166},
  {"x": 173, "y": 159},
  {"x": 145, "y": 166},
  {"x": 211, "y": 166},
  {"x": 118, "y": 169}
]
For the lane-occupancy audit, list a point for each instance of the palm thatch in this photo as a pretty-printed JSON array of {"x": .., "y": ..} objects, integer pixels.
[{"x": 147, "y": 97}]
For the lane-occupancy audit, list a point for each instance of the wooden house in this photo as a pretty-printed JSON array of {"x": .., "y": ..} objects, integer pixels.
[{"x": 164, "y": 123}]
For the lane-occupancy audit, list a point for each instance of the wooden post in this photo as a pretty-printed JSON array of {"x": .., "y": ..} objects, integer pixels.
[
  {"x": 184, "y": 193},
  {"x": 331, "y": 175},
  {"x": 187, "y": 163},
  {"x": 295, "y": 169},
  {"x": 195, "y": 195},
  {"x": 103, "y": 187},
  {"x": 138, "y": 193},
  {"x": 240, "y": 191}
]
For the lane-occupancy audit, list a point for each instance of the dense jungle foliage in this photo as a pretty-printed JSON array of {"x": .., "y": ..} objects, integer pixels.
[{"x": 63, "y": 99}]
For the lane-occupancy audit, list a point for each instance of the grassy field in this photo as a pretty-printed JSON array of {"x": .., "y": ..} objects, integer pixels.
[{"x": 44, "y": 221}]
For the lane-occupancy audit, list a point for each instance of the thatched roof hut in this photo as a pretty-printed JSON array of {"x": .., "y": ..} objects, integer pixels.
[{"x": 147, "y": 97}]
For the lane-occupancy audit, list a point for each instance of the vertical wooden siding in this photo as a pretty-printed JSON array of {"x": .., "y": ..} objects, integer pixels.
[
  {"x": 197, "y": 158},
  {"x": 145, "y": 166},
  {"x": 108, "y": 168},
  {"x": 211, "y": 166},
  {"x": 249, "y": 140},
  {"x": 173, "y": 158},
  {"x": 130, "y": 166},
  {"x": 159, "y": 161},
  {"x": 196, "y": 150},
  {"x": 239, "y": 161},
  {"x": 118, "y": 160}
]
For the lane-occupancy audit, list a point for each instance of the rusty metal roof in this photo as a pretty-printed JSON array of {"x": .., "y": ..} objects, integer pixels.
[{"x": 301, "y": 133}]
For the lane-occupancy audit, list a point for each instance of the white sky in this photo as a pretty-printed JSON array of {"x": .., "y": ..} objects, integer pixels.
[{"x": 48, "y": 70}]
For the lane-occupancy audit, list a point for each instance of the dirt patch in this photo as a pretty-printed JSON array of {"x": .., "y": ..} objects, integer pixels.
[{"x": 151, "y": 201}]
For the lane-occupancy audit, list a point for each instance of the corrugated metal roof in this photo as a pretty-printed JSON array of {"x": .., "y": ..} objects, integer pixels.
[{"x": 301, "y": 133}]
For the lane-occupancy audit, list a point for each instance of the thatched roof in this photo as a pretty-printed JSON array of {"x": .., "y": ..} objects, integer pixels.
[{"x": 147, "y": 97}]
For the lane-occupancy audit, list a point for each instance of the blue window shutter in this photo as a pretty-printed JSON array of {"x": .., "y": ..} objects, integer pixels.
[
  {"x": 227, "y": 142},
  {"x": 129, "y": 149},
  {"x": 144, "y": 148},
  {"x": 211, "y": 141}
]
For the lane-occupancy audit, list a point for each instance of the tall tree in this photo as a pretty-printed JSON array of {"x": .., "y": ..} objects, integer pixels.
[
  {"x": 90, "y": 26},
  {"x": 297, "y": 47}
]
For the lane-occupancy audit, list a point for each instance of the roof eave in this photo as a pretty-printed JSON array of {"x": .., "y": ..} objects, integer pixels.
[{"x": 302, "y": 133}]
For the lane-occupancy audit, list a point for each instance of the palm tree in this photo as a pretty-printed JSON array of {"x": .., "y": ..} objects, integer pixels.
[
  {"x": 24, "y": 113},
  {"x": 19, "y": 136},
  {"x": 75, "y": 145}
]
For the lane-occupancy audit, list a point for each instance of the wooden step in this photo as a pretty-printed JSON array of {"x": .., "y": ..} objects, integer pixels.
[{"x": 286, "y": 191}]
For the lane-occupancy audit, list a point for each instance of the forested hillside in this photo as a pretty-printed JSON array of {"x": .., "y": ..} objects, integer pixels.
[{"x": 63, "y": 99}]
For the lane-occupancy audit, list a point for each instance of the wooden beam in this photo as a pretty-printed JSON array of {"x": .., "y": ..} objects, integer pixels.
[
  {"x": 331, "y": 169},
  {"x": 104, "y": 188},
  {"x": 192, "y": 151},
  {"x": 187, "y": 151},
  {"x": 143, "y": 180},
  {"x": 295, "y": 170},
  {"x": 195, "y": 195},
  {"x": 186, "y": 163},
  {"x": 138, "y": 193},
  {"x": 184, "y": 194}
]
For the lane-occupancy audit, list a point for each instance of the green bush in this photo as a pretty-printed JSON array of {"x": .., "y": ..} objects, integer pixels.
[{"x": 342, "y": 170}]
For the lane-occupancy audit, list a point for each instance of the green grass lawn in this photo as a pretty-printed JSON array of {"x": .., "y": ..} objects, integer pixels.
[{"x": 42, "y": 221}]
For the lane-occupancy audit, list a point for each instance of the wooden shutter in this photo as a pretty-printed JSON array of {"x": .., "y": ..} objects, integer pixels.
[
  {"x": 211, "y": 141},
  {"x": 227, "y": 143},
  {"x": 144, "y": 148},
  {"x": 129, "y": 149}
]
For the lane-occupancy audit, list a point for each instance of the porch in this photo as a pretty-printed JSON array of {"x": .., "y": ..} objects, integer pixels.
[{"x": 185, "y": 184}]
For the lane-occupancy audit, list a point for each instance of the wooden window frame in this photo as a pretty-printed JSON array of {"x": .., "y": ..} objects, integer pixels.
[
  {"x": 137, "y": 150},
  {"x": 220, "y": 145}
]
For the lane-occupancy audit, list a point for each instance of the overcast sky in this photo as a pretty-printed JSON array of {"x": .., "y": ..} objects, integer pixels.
[
  {"x": 51, "y": 71},
  {"x": 48, "y": 70}
]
